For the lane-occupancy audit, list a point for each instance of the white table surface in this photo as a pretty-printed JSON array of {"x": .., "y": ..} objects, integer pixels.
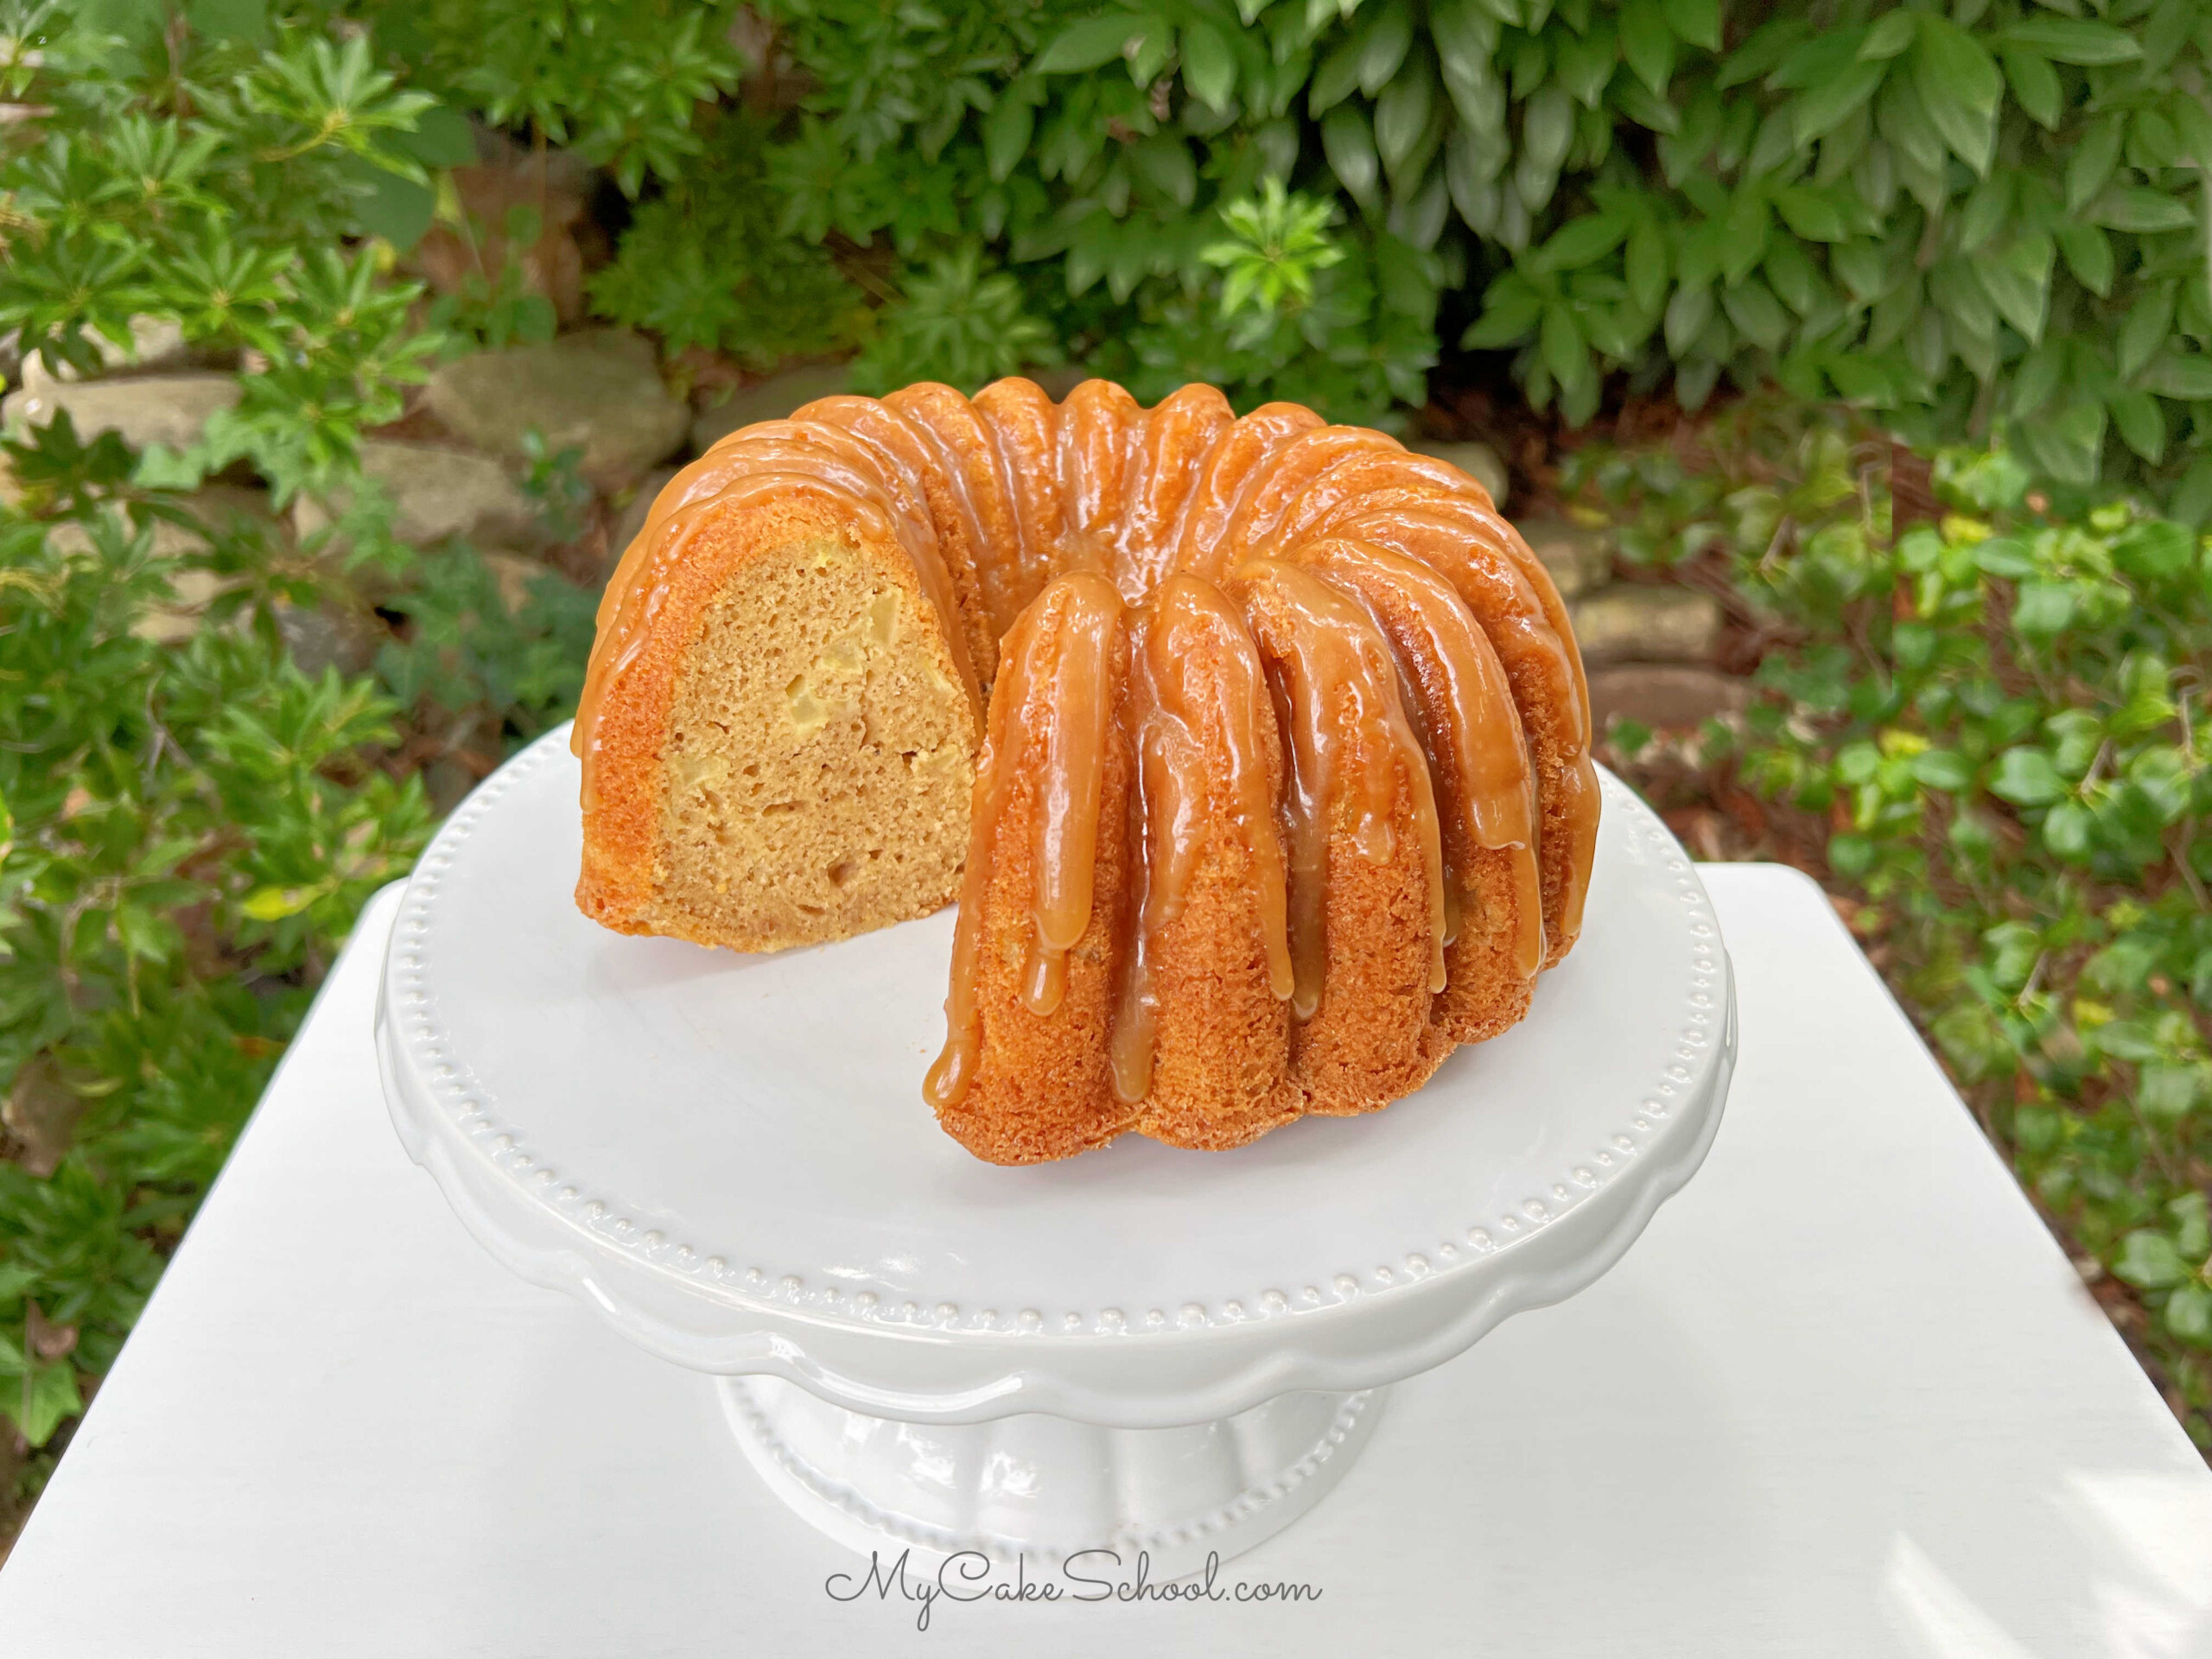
[{"x": 1845, "y": 1397}]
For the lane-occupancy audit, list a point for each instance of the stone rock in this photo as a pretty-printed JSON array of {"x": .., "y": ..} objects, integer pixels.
[
  {"x": 599, "y": 390},
  {"x": 155, "y": 343},
  {"x": 513, "y": 572},
  {"x": 215, "y": 505},
  {"x": 1477, "y": 461},
  {"x": 473, "y": 247},
  {"x": 1663, "y": 695},
  {"x": 437, "y": 493},
  {"x": 191, "y": 591},
  {"x": 326, "y": 636},
  {"x": 768, "y": 400},
  {"x": 167, "y": 408},
  {"x": 41, "y": 1111},
  {"x": 156, "y": 346},
  {"x": 1624, "y": 623},
  {"x": 1577, "y": 557},
  {"x": 633, "y": 517}
]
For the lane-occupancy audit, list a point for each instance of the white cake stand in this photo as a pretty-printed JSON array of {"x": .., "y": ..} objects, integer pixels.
[{"x": 1138, "y": 1349}]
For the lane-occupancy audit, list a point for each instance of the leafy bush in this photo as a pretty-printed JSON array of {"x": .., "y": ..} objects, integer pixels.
[
  {"x": 704, "y": 264},
  {"x": 1991, "y": 727},
  {"x": 193, "y": 825},
  {"x": 618, "y": 81},
  {"x": 1957, "y": 218}
]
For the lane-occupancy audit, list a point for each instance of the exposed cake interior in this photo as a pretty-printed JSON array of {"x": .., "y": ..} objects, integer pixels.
[{"x": 818, "y": 756}]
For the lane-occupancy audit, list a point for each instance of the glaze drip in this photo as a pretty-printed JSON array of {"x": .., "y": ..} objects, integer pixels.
[
  {"x": 1191, "y": 642},
  {"x": 1083, "y": 626},
  {"x": 1349, "y": 744}
]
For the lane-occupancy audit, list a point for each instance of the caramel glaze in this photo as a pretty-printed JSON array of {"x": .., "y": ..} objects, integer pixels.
[
  {"x": 1190, "y": 621},
  {"x": 1197, "y": 689}
]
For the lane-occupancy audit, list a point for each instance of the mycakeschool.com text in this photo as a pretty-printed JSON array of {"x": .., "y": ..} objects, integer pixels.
[{"x": 1089, "y": 1576}]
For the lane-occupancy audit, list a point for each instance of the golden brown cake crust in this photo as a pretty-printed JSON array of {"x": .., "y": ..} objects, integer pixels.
[{"x": 1278, "y": 736}]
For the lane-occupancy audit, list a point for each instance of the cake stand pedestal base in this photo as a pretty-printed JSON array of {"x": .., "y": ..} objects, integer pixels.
[{"x": 1046, "y": 1488}]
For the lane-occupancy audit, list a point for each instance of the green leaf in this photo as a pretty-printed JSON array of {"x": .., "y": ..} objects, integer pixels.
[
  {"x": 1006, "y": 131},
  {"x": 1821, "y": 108},
  {"x": 2026, "y": 776},
  {"x": 1580, "y": 242},
  {"x": 2035, "y": 84},
  {"x": 2149, "y": 1261},
  {"x": 39, "y": 1402},
  {"x": 1584, "y": 63},
  {"x": 1402, "y": 117},
  {"x": 1465, "y": 38},
  {"x": 1988, "y": 205},
  {"x": 1687, "y": 314},
  {"x": 1511, "y": 310},
  {"x": 1810, "y": 213},
  {"x": 1744, "y": 233},
  {"x": 245, "y": 22},
  {"x": 1548, "y": 127},
  {"x": 1647, "y": 42},
  {"x": 1751, "y": 305},
  {"x": 2095, "y": 154},
  {"x": 2142, "y": 424},
  {"x": 2068, "y": 828},
  {"x": 1944, "y": 769},
  {"x": 1349, "y": 143},
  {"x": 398, "y": 210},
  {"x": 2144, "y": 330},
  {"x": 2089, "y": 256},
  {"x": 2189, "y": 1314},
  {"x": 1334, "y": 81},
  {"x": 1209, "y": 68},
  {"x": 2187, "y": 375},
  {"x": 2068, "y": 39},
  {"x": 1960, "y": 87},
  {"x": 1647, "y": 263},
  {"x": 442, "y": 137},
  {"x": 2155, "y": 551},
  {"x": 1893, "y": 33},
  {"x": 2017, "y": 279},
  {"x": 1387, "y": 32},
  {"x": 1697, "y": 21},
  {"x": 2043, "y": 609},
  {"x": 1091, "y": 43},
  {"x": 2141, "y": 211},
  {"x": 1565, "y": 354}
]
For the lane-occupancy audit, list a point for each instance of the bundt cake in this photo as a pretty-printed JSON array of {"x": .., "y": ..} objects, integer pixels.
[{"x": 1256, "y": 750}]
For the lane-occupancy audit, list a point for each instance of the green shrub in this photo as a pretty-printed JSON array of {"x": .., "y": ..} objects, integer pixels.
[
  {"x": 193, "y": 826},
  {"x": 188, "y": 822},
  {"x": 705, "y": 263},
  {"x": 1992, "y": 727},
  {"x": 1958, "y": 218}
]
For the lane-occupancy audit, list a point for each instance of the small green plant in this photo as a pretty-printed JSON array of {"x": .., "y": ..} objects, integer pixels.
[
  {"x": 705, "y": 263},
  {"x": 956, "y": 325},
  {"x": 495, "y": 305},
  {"x": 1277, "y": 244}
]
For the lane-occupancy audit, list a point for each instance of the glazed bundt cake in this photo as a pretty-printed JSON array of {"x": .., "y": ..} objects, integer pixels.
[{"x": 1256, "y": 751}]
